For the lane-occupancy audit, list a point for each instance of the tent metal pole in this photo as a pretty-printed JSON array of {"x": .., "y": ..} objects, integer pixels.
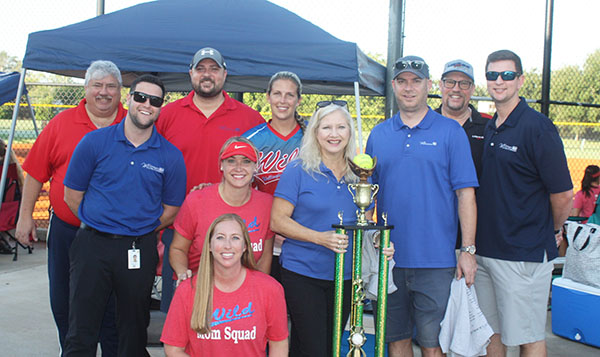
[
  {"x": 358, "y": 118},
  {"x": 37, "y": 133},
  {"x": 11, "y": 135}
]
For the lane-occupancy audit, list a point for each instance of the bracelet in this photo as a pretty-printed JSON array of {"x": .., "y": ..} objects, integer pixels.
[{"x": 556, "y": 231}]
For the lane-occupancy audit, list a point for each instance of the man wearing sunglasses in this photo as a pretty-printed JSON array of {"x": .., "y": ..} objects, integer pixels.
[
  {"x": 199, "y": 124},
  {"x": 47, "y": 161},
  {"x": 124, "y": 182},
  {"x": 524, "y": 198},
  {"x": 457, "y": 86},
  {"x": 427, "y": 179}
]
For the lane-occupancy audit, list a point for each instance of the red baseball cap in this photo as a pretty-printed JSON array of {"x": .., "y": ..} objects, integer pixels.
[{"x": 239, "y": 148}]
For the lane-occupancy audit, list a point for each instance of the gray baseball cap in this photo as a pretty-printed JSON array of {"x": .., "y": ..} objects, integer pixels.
[
  {"x": 459, "y": 66},
  {"x": 412, "y": 64},
  {"x": 208, "y": 52}
]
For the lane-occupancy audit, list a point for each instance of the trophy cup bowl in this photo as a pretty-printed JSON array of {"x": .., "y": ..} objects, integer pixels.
[{"x": 364, "y": 192}]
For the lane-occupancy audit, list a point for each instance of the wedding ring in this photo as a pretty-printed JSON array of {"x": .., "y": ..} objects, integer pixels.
[{"x": 339, "y": 242}]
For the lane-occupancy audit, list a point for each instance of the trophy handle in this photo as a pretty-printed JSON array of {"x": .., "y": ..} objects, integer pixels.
[
  {"x": 352, "y": 186},
  {"x": 375, "y": 189}
]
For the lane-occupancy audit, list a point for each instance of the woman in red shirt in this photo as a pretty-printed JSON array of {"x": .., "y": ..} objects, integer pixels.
[
  {"x": 585, "y": 200},
  {"x": 231, "y": 309},
  {"x": 238, "y": 162}
]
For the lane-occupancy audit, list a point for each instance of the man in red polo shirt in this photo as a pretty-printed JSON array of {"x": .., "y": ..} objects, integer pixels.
[
  {"x": 198, "y": 125},
  {"x": 48, "y": 159}
]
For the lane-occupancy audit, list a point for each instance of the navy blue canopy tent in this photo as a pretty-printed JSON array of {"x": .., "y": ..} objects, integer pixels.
[
  {"x": 256, "y": 37},
  {"x": 9, "y": 83}
]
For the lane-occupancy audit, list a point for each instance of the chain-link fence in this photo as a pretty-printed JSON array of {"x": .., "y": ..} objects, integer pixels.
[
  {"x": 578, "y": 125},
  {"x": 437, "y": 31}
]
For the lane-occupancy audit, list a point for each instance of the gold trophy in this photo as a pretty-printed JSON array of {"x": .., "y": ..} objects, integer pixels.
[
  {"x": 363, "y": 195},
  {"x": 364, "y": 192}
]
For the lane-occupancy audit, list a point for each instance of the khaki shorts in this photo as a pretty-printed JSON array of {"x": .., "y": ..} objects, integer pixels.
[{"x": 514, "y": 298}]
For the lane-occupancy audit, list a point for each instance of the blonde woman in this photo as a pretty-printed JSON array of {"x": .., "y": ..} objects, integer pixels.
[
  {"x": 230, "y": 309},
  {"x": 238, "y": 162},
  {"x": 310, "y": 193}
]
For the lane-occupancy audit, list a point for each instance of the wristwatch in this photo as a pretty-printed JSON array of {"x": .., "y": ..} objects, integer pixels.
[{"x": 469, "y": 249}]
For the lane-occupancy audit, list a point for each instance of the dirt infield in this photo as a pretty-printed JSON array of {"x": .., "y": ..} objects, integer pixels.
[{"x": 41, "y": 215}]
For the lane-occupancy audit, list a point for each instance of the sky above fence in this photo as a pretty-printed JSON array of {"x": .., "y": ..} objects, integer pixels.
[{"x": 436, "y": 30}]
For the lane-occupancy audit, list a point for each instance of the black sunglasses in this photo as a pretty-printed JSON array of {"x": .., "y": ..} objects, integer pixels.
[
  {"x": 400, "y": 65},
  {"x": 506, "y": 75},
  {"x": 339, "y": 103},
  {"x": 154, "y": 100}
]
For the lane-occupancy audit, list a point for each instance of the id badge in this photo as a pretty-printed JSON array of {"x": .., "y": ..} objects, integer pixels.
[{"x": 134, "y": 260}]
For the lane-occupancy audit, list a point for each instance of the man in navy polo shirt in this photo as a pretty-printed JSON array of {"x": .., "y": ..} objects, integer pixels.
[
  {"x": 427, "y": 179},
  {"x": 124, "y": 183},
  {"x": 524, "y": 198}
]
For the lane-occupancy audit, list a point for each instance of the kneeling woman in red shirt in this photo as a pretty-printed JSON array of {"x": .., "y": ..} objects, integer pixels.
[{"x": 231, "y": 309}]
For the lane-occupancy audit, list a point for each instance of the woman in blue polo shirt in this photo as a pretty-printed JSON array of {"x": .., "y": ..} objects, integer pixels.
[{"x": 311, "y": 192}]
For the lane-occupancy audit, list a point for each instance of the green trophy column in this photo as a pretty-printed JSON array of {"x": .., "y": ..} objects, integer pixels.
[
  {"x": 339, "y": 298},
  {"x": 382, "y": 288},
  {"x": 357, "y": 336}
]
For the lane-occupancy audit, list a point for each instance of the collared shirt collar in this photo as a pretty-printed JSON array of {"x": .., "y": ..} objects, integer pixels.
[
  {"x": 513, "y": 117},
  {"x": 329, "y": 173},
  {"x": 425, "y": 123},
  {"x": 227, "y": 104},
  {"x": 84, "y": 118},
  {"x": 153, "y": 141}
]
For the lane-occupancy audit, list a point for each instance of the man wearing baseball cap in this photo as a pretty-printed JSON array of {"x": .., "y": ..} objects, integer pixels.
[
  {"x": 426, "y": 179},
  {"x": 198, "y": 125},
  {"x": 457, "y": 86}
]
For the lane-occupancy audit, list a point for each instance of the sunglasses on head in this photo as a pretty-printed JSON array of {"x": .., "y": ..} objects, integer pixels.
[
  {"x": 339, "y": 103},
  {"x": 141, "y": 98},
  {"x": 400, "y": 65},
  {"x": 506, "y": 75}
]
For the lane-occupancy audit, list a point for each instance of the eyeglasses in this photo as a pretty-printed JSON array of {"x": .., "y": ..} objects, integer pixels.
[
  {"x": 154, "y": 100},
  {"x": 506, "y": 75},
  {"x": 418, "y": 65},
  {"x": 450, "y": 83},
  {"x": 339, "y": 103}
]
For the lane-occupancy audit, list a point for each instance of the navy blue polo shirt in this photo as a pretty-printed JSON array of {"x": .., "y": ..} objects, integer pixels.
[
  {"x": 418, "y": 171},
  {"x": 317, "y": 199},
  {"x": 523, "y": 163},
  {"x": 125, "y": 186}
]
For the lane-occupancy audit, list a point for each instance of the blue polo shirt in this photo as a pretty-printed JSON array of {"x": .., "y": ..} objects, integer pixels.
[
  {"x": 418, "y": 171},
  {"x": 523, "y": 163},
  {"x": 317, "y": 199},
  {"x": 125, "y": 186}
]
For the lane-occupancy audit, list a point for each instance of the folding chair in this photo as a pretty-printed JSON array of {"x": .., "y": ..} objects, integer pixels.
[{"x": 9, "y": 212}]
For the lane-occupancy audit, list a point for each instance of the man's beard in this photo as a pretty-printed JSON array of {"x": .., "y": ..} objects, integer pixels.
[
  {"x": 210, "y": 94},
  {"x": 138, "y": 124}
]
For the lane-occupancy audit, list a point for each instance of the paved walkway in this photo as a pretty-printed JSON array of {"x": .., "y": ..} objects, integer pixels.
[{"x": 27, "y": 327}]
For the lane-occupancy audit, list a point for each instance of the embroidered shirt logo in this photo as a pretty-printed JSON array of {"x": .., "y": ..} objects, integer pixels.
[
  {"x": 512, "y": 148},
  {"x": 148, "y": 166},
  {"x": 433, "y": 143},
  {"x": 478, "y": 137}
]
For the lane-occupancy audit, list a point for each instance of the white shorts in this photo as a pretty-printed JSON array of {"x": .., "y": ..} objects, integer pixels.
[{"x": 514, "y": 298}]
